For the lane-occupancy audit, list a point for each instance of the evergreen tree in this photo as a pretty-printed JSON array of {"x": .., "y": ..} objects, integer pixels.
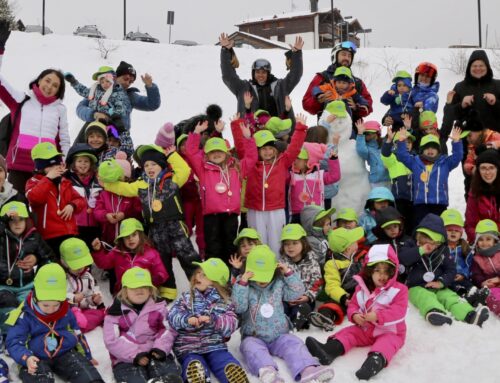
[{"x": 6, "y": 12}]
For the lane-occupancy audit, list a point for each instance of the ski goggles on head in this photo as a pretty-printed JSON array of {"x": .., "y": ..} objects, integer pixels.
[
  {"x": 348, "y": 45},
  {"x": 262, "y": 64},
  {"x": 112, "y": 132}
]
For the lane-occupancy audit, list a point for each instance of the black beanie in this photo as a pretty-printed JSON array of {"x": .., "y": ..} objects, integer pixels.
[
  {"x": 41, "y": 164},
  {"x": 125, "y": 68},
  {"x": 489, "y": 156},
  {"x": 155, "y": 156}
]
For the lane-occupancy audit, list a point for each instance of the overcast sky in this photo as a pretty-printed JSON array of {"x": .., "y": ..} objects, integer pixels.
[{"x": 398, "y": 23}]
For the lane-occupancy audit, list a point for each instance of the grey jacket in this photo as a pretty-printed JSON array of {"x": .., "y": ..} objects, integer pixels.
[{"x": 280, "y": 87}]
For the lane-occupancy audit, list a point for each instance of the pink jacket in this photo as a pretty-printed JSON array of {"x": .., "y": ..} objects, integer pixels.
[
  {"x": 108, "y": 202},
  {"x": 122, "y": 261},
  {"x": 128, "y": 333},
  {"x": 311, "y": 185},
  {"x": 228, "y": 201},
  {"x": 390, "y": 302}
]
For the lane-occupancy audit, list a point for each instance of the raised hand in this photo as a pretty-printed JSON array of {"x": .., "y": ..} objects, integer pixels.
[
  {"x": 467, "y": 101},
  {"x": 361, "y": 127},
  {"x": 219, "y": 125},
  {"x": 300, "y": 117},
  {"x": 455, "y": 134},
  {"x": 225, "y": 41},
  {"x": 236, "y": 261},
  {"x": 247, "y": 98},
  {"x": 201, "y": 127},
  {"x": 407, "y": 121},
  {"x": 96, "y": 244},
  {"x": 147, "y": 80},
  {"x": 68, "y": 76},
  {"x": 169, "y": 150},
  {"x": 449, "y": 96},
  {"x": 390, "y": 134},
  {"x": 246, "y": 276},
  {"x": 299, "y": 43},
  {"x": 245, "y": 130},
  {"x": 403, "y": 134},
  {"x": 288, "y": 103}
]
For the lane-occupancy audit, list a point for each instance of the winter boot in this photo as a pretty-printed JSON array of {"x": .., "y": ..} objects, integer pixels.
[
  {"x": 317, "y": 374},
  {"x": 438, "y": 318},
  {"x": 4, "y": 371},
  {"x": 269, "y": 375},
  {"x": 235, "y": 374},
  {"x": 195, "y": 373},
  {"x": 325, "y": 353},
  {"x": 170, "y": 378},
  {"x": 479, "y": 316},
  {"x": 371, "y": 366},
  {"x": 317, "y": 319},
  {"x": 302, "y": 316},
  {"x": 477, "y": 296}
]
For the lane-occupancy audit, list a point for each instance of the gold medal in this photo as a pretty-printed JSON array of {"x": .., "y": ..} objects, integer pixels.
[
  {"x": 229, "y": 193},
  {"x": 304, "y": 197},
  {"x": 266, "y": 185},
  {"x": 156, "y": 205},
  {"x": 9, "y": 281},
  {"x": 89, "y": 210},
  {"x": 58, "y": 212},
  {"x": 424, "y": 176}
]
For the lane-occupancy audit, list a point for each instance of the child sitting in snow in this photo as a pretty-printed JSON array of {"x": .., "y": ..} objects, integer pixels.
[
  {"x": 246, "y": 240},
  {"x": 377, "y": 309},
  {"x": 317, "y": 223}
]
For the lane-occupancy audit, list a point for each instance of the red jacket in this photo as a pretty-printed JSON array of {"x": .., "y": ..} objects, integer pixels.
[
  {"x": 108, "y": 202},
  {"x": 479, "y": 208},
  {"x": 313, "y": 106},
  {"x": 46, "y": 199},
  {"x": 210, "y": 175},
  {"x": 122, "y": 261},
  {"x": 258, "y": 197}
]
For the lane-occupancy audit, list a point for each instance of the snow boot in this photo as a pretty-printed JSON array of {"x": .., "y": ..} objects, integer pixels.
[
  {"x": 479, "y": 316},
  {"x": 317, "y": 319},
  {"x": 438, "y": 318},
  {"x": 170, "y": 378},
  {"x": 477, "y": 296},
  {"x": 317, "y": 374},
  {"x": 4, "y": 371},
  {"x": 269, "y": 375},
  {"x": 371, "y": 366},
  {"x": 326, "y": 353},
  {"x": 195, "y": 373},
  {"x": 235, "y": 374},
  {"x": 301, "y": 319}
]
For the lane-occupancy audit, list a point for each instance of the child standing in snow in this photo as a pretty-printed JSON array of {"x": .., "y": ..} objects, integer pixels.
[
  {"x": 297, "y": 255},
  {"x": 204, "y": 320},
  {"x": 136, "y": 332},
  {"x": 220, "y": 184},
  {"x": 378, "y": 309},
  {"x": 45, "y": 336},
  {"x": 82, "y": 290},
  {"x": 132, "y": 249},
  {"x": 368, "y": 144},
  {"x": 258, "y": 296},
  {"x": 164, "y": 173},
  {"x": 431, "y": 271},
  {"x": 486, "y": 263}
]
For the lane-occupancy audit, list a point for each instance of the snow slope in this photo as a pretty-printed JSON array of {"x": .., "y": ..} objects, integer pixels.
[{"x": 189, "y": 79}]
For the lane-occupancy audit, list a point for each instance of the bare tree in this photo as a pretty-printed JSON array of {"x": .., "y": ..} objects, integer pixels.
[
  {"x": 457, "y": 61},
  {"x": 364, "y": 71},
  {"x": 390, "y": 63},
  {"x": 105, "y": 47}
]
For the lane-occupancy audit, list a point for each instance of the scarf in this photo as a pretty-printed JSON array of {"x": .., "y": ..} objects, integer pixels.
[
  {"x": 7, "y": 193},
  {"x": 47, "y": 318},
  {"x": 44, "y": 100}
]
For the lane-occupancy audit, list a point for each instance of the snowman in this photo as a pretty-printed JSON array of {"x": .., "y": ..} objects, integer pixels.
[{"x": 353, "y": 185}]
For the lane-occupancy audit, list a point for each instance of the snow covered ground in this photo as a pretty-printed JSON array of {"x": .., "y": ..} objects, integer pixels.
[{"x": 189, "y": 79}]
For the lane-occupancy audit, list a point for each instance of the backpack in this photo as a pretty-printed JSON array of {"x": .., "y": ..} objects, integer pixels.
[{"x": 7, "y": 126}]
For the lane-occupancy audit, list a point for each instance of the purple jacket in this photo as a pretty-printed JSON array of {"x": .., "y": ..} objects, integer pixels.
[{"x": 128, "y": 333}]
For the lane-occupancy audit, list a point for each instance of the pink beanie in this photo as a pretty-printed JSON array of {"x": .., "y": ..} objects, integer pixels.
[
  {"x": 165, "y": 136},
  {"x": 121, "y": 159}
]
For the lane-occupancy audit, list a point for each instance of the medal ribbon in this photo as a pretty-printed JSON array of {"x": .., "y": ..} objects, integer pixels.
[
  {"x": 266, "y": 175},
  {"x": 306, "y": 186},
  {"x": 224, "y": 176},
  {"x": 9, "y": 267}
]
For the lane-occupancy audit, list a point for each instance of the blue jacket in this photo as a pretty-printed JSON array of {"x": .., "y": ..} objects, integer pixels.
[
  {"x": 428, "y": 95},
  {"x": 435, "y": 189},
  {"x": 463, "y": 262},
  {"x": 439, "y": 261},
  {"x": 116, "y": 103},
  {"x": 146, "y": 103},
  {"x": 370, "y": 152},
  {"x": 249, "y": 299},
  {"x": 368, "y": 223},
  {"x": 29, "y": 336},
  {"x": 209, "y": 337},
  {"x": 398, "y": 104}
]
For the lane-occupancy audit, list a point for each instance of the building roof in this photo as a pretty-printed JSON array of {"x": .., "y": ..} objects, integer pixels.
[
  {"x": 286, "y": 15},
  {"x": 250, "y": 36}
]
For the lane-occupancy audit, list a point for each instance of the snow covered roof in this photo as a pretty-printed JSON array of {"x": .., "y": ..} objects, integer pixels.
[
  {"x": 284, "y": 15},
  {"x": 37, "y": 29},
  {"x": 278, "y": 44}
]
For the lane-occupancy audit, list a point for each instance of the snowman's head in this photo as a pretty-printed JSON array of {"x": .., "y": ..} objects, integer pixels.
[{"x": 342, "y": 126}]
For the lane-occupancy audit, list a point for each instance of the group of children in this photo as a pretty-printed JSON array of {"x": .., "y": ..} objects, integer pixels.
[{"x": 296, "y": 264}]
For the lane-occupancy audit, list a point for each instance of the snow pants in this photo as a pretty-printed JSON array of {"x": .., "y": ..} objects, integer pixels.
[
  {"x": 194, "y": 217},
  {"x": 215, "y": 361},
  {"x": 168, "y": 238},
  {"x": 269, "y": 225},
  {"x": 493, "y": 300},
  {"x": 88, "y": 319},
  {"x": 443, "y": 300},
  {"x": 220, "y": 231},
  {"x": 387, "y": 343},
  {"x": 130, "y": 373},
  {"x": 288, "y": 347},
  {"x": 71, "y": 366},
  {"x": 10, "y": 298}
]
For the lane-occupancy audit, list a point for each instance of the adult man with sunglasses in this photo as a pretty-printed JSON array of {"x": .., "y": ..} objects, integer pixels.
[
  {"x": 264, "y": 90},
  {"x": 342, "y": 55}
]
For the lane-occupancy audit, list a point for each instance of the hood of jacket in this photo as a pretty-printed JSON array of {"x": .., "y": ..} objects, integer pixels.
[
  {"x": 380, "y": 253},
  {"x": 479, "y": 55},
  {"x": 390, "y": 213},
  {"x": 307, "y": 218}
]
